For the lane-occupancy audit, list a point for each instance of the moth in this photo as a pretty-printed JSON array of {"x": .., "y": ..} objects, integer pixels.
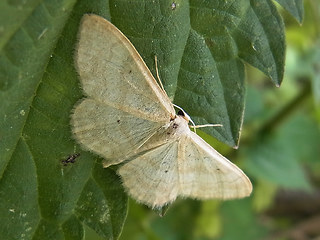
[{"x": 127, "y": 118}]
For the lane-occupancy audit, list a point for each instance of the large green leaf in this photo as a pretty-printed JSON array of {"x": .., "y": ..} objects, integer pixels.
[
  {"x": 41, "y": 198},
  {"x": 277, "y": 158},
  {"x": 13, "y": 14},
  {"x": 294, "y": 7},
  {"x": 200, "y": 45}
]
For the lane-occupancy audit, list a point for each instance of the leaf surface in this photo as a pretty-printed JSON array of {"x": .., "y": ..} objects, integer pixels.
[
  {"x": 201, "y": 46},
  {"x": 294, "y": 7},
  {"x": 39, "y": 87}
]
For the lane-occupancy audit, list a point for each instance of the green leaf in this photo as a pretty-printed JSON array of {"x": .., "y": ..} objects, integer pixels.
[
  {"x": 13, "y": 15},
  {"x": 23, "y": 60},
  {"x": 277, "y": 158},
  {"x": 254, "y": 106},
  {"x": 72, "y": 228},
  {"x": 268, "y": 161},
  {"x": 98, "y": 206},
  {"x": 302, "y": 129},
  {"x": 294, "y": 7},
  {"x": 39, "y": 87},
  {"x": 18, "y": 196},
  {"x": 200, "y": 46}
]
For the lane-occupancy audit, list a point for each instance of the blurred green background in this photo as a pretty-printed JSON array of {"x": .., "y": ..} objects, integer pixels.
[{"x": 279, "y": 150}]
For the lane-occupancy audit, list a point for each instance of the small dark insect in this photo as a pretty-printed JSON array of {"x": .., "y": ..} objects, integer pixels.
[
  {"x": 118, "y": 121},
  {"x": 70, "y": 159}
]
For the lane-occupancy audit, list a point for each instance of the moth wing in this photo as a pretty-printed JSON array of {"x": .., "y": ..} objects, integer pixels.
[
  {"x": 112, "y": 133},
  {"x": 152, "y": 178},
  {"x": 124, "y": 106},
  {"x": 112, "y": 71},
  {"x": 204, "y": 173}
]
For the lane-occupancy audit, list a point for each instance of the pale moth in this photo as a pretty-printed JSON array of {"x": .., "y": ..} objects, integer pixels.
[{"x": 128, "y": 118}]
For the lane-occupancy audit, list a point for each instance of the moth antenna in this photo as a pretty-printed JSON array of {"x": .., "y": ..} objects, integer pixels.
[
  {"x": 194, "y": 126},
  {"x": 207, "y": 125},
  {"x": 180, "y": 108},
  {"x": 157, "y": 72}
]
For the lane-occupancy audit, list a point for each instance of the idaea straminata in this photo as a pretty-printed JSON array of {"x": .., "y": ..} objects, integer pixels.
[{"x": 128, "y": 118}]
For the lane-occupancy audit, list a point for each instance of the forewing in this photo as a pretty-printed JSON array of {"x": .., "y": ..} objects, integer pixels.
[
  {"x": 112, "y": 71},
  {"x": 204, "y": 173},
  {"x": 124, "y": 105},
  {"x": 110, "y": 132},
  {"x": 152, "y": 177}
]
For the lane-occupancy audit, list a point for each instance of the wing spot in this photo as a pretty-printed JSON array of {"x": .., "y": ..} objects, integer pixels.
[{"x": 175, "y": 126}]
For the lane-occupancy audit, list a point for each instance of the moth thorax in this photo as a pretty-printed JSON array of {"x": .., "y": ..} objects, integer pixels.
[{"x": 178, "y": 126}]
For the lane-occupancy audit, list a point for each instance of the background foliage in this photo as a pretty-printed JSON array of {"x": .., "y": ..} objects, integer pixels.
[{"x": 203, "y": 49}]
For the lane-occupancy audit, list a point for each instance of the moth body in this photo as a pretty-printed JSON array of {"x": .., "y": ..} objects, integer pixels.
[{"x": 178, "y": 127}]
